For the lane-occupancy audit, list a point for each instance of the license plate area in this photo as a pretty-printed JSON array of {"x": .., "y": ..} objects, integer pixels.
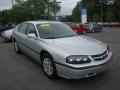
[{"x": 90, "y": 74}]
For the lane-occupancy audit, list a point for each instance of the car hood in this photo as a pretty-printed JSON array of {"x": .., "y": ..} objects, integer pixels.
[
  {"x": 80, "y": 45},
  {"x": 8, "y": 31}
]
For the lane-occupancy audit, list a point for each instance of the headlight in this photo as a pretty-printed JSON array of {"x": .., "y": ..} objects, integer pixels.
[{"x": 78, "y": 59}]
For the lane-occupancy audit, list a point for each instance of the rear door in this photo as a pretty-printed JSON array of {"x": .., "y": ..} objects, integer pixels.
[{"x": 21, "y": 36}]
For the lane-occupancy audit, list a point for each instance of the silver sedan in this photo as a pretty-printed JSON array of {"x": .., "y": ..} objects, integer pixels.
[{"x": 60, "y": 50}]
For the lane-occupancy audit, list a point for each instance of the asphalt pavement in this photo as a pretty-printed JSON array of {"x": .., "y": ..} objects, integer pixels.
[{"x": 20, "y": 72}]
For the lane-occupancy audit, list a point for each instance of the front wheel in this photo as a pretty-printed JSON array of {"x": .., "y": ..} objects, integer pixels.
[{"x": 48, "y": 66}]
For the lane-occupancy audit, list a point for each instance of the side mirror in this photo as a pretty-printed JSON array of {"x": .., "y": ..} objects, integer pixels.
[{"x": 31, "y": 35}]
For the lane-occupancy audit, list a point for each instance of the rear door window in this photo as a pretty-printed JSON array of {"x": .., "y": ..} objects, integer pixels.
[{"x": 23, "y": 28}]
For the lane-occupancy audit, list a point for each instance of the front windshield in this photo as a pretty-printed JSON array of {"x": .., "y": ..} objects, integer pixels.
[{"x": 55, "y": 30}]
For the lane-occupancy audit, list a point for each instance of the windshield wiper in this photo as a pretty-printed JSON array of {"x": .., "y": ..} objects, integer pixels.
[
  {"x": 71, "y": 36},
  {"x": 52, "y": 37},
  {"x": 60, "y": 37}
]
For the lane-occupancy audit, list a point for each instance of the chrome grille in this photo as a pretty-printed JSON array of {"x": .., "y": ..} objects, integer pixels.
[{"x": 100, "y": 56}]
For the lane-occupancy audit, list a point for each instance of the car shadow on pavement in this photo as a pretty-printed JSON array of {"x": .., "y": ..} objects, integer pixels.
[
  {"x": 100, "y": 75},
  {"x": 2, "y": 41},
  {"x": 93, "y": 81}
]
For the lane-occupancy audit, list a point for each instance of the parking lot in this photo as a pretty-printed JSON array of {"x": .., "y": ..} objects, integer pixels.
[{"x": 20, "y": 72}]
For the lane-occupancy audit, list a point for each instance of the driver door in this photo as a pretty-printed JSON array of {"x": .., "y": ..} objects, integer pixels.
[{"x": 32, "y": 42}]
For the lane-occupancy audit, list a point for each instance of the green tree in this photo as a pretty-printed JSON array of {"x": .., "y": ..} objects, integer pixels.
[
  {"x": 76, "y": 13},
  {"x": 116, "y": 8},
  {"x": 4, "y": 16},
  {"x": 95, "y": 8},
  {"x": 68, "y": 18},
  {"x": 95, "y": 18},
  {"x": 39, "y": 9},
  {"x": 29, "y": 10},
  {"x": 109, "y": 16}
]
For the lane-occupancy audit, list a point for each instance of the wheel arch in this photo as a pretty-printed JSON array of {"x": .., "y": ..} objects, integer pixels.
[
  {"x": 52, "y": 60},
  {"x": 45, "y": 52}
]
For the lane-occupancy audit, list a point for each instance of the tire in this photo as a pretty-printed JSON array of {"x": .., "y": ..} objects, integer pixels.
[
  {"x": 16, "y": 47},
  {"x": 10, "y": 39},
  {"x": 48, "y": 66},
  {"x": 93, "y": 31},
  {"x": 101, "y": 30},
  {"x": 84, "y": 32}
]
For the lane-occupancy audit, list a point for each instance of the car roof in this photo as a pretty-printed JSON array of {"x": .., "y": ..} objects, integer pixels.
[{"x": 40, "y": 22}]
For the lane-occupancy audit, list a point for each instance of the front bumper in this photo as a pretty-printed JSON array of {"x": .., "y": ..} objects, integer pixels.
[
  {"x": 5, "y": 37},
  {"x": 78, "y": 73}
]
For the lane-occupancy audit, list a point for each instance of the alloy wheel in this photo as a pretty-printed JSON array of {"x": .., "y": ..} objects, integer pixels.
[{"x": 47, "y": 66}]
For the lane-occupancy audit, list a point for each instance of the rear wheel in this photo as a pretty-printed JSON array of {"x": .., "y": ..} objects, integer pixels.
[
  {"x": 48, "y": 66},
  {"x": 84, "y": 32},
  {"x": 101, "y": 30},
  {"x": 16, "y": 47},
  {"x": 93, "y": 30}
]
